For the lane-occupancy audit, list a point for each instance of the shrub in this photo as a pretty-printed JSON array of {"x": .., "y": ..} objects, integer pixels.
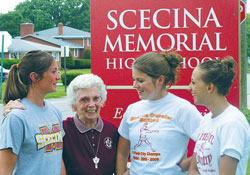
[
  {"x": 7, "y": 63},
  {"x": 246, "y": 112},
  {"x": 69, "y": 62},
  {"x": 69, "y": 77},
  {"x": 82, "y": 64},
  {"x": 87, "y": 54}
]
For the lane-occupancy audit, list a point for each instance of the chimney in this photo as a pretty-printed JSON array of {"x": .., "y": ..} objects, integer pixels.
[
  {"x": 26, "y": 29},
  {"x": 60, "y": 28}
]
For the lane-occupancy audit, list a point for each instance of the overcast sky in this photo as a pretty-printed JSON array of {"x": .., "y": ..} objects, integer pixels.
[{"x": 9, "y": 5}]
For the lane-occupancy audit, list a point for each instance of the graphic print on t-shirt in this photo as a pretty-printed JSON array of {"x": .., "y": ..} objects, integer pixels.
[
  {"x": 49, "y": 140},
  {"x": 144, "y": 131},
  {"x": 143, "y": 149},
  {"x": 203, "y": 149}
]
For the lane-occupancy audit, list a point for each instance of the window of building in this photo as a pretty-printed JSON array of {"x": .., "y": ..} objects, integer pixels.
[
  {"x": 89, "y": 41},
  {"x": 55, "y": 55},
  {"x": 15, "y": 55},
  {"x": 76, "y": 52}
]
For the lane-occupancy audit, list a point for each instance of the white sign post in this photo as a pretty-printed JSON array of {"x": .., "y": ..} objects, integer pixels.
[
  {"x": 64, "y": 54},
  {"x": 64, "y": 51}
]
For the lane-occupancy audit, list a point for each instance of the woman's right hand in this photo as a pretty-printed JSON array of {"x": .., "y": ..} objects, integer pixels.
[
  {"x": 12, "y": 104},
  {"x": 126, "y": 172}
]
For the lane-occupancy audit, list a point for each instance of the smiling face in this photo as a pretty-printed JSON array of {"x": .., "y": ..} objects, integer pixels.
[
  {"x": 147, "y": 88},
  {"x": 88, "y": 104},
  {"x": 198, "y": 87},
  {"x": 48, "y": 83}
]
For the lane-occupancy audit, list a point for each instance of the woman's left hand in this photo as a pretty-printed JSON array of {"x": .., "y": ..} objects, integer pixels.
[
  {"x": 126, "y": 172},
  {"x": 185, "y": 162}
]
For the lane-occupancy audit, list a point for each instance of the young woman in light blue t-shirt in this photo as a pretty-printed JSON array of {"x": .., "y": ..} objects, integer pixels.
[{"x": 31, "y": 139}]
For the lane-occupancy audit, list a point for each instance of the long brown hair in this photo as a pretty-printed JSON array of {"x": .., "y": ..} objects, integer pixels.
[{"x": 19, "y": 81}]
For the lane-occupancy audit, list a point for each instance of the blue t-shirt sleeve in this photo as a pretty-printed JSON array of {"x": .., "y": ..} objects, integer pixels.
[{"x": 12, "y": 133}]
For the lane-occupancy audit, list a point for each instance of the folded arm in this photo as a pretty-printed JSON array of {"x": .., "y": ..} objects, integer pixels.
[{"x": 193, "y": 170}]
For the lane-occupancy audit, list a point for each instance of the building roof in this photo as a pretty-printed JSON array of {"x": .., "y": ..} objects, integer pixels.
[
  {"x": 19, "y": 45},
  {"x": 68, "y": 32},
  {"x": 58, "y": 42}
]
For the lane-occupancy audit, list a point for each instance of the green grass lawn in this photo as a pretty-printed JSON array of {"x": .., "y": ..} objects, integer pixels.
[
  {"x": 248, "y": 166},
  {"x": 59, "y": 93},
  {"x": 84, "y": 71}
]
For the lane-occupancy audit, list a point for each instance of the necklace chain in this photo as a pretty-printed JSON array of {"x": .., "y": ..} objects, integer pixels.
[{"x": 95, "y": 153}]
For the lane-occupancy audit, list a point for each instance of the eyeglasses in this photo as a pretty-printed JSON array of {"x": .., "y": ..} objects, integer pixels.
[{"x": 87, "y": 100}]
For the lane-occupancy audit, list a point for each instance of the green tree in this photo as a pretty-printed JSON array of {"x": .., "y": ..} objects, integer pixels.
[
  {"x": 11, "y": 22},
  {"x": 36, "y": 12},
  {"x": 248, "y": 34},
  {"x": 45, "y": 14},
  {"x": 87, "y": 54},
  {"x": 80, "y": 7}
]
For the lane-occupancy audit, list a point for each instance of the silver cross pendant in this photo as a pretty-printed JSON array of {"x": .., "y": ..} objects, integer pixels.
[{"x": 96, "y": 161}]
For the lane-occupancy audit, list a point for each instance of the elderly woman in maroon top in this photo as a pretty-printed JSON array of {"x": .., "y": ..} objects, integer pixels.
[{"x": 90, "y": 142}]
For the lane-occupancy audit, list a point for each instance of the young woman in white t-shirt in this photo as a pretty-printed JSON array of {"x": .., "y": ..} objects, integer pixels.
[
  {"x": 155, "y": 130},
  {"x": 223, "y": 143}
]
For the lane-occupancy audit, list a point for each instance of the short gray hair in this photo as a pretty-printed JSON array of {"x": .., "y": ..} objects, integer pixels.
[{"x": 85, "y": 81}]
